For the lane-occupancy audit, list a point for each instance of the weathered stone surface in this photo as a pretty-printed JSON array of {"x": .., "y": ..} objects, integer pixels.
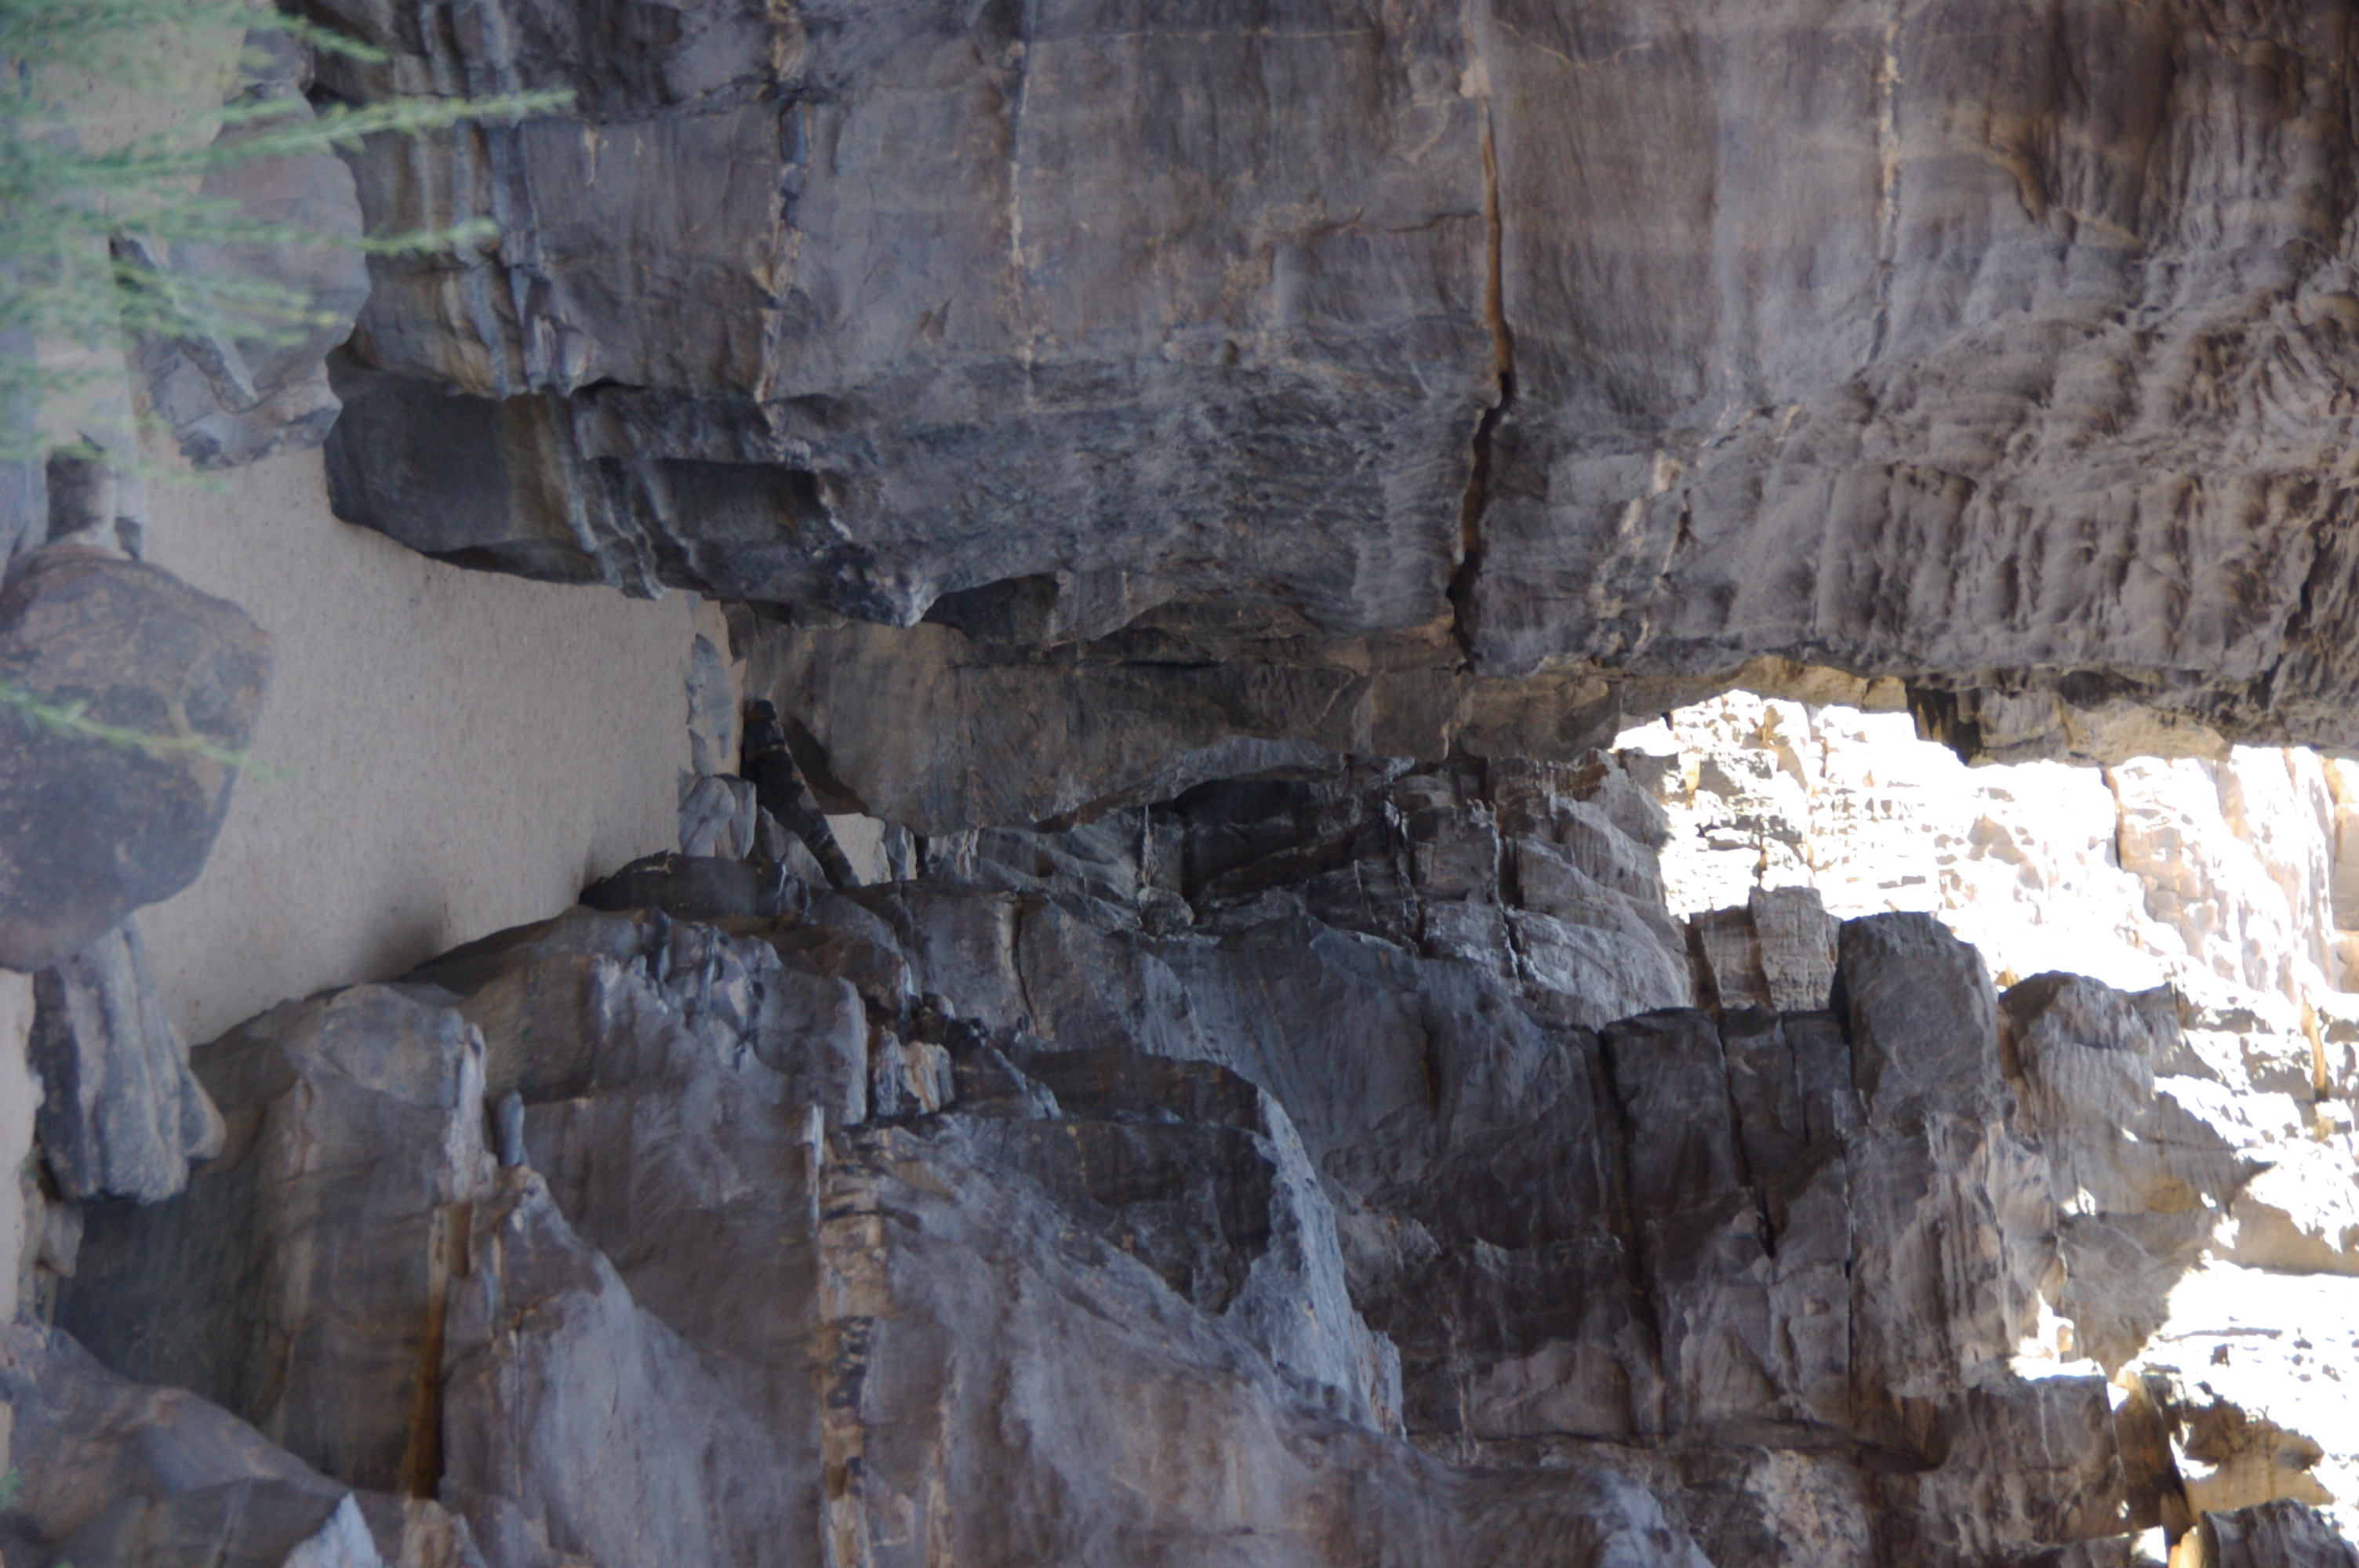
[
  {"x": 716, "y": 816},
  {"x": 1778, "y": 951},
  {"x": 2283, "y": 1534},
  {"x": 2021, "y": 386},
  {"x": 245, "y": 1527},
  {"x": 119, "y": 1474},
  {"x": 231, "y": 397},
  {"x": 1082, "y": 1108},
  {"x": 562, "y": 1003},
  {"x": 22, "y": 1212},
  {"x": 91, "y": 829},
  {"x": 1001, "y": 735},
  {"x": 1921, "y": 1019},
  {"x": 2140, "y": 1182},
  {"x": 121, "y": 1113},
  {"x": 2026, "y": 1462},
  {"x": 355, "y": 1138},
  {"x": 1312, "y": 336},
  {"x": 2214, "y": 872},
  {"x": 1235, "y": 1180},
  {"x": 713, "y": 706},
  {"x": 594, "y": 1433},
  {"x": 2191, "y": 1126}
]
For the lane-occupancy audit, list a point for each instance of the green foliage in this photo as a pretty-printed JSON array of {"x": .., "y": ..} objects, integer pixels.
[
  {"x": 87, "y": 230},
  {"x": 12, "y": 1487},
  {"x": 73, "y": 718}
]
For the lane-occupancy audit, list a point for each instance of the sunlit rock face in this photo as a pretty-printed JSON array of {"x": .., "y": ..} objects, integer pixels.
[
  {"x": 2226, "y": 874},
  {"x": 2209, "y": 1179},
  {"x": 1644, "y": 337}
]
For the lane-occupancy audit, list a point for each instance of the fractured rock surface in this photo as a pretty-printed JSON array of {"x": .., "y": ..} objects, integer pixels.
[
  {"x": 2197, "y": 1123},
  {"x": 1641, "y": 337},
  {"x": 120, "y": 1112},
  {"x": 1068, "y": 1101},
  {"x": 1333, "y": 1171}
]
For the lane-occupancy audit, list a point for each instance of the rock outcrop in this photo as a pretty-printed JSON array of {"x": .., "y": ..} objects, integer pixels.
[
  {"x": 120, "y": 1112},
  {"x": 120, "y": 1475},
  {"x": 1316, "y": 1172},
  {"x": 1078, "y": 1092},
  {"x": 1516, "y": 334},
  {"x": 2197, "y": 1122}
]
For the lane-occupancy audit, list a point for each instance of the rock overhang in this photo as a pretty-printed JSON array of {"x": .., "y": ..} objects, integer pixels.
[{"x": 1641, "y": 341}]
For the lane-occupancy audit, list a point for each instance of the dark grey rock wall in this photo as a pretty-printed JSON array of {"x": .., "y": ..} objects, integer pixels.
[
  {"x": 1240, "y": 1182},
  {"x": 2000, "y": 348}
]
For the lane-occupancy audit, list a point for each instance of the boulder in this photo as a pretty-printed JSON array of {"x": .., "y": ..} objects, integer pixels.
[
  {"x": 94, "y": 825},
  {"x": 120, "y": 1113},
  {"x": 2280, "y": 1535}
]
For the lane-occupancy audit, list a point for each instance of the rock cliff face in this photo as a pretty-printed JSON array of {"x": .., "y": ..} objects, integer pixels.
[
  {"x": 1335, "y": 1170},
  {"x": 2003, "y": 349},
  {"x": 1184, "y": 1038},
  {"x": 2209, "y": 881}
]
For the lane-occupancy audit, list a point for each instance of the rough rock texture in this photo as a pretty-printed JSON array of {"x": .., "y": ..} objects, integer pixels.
[
  {"x": 254, "y": 382},
  {"x": 2283, "y": 1535},
  {"x": 90, "y": 827},
  {"x": 2216, "y": 874},
  {"x": 2198, "y": 1123},
  {"x": 1069, "y": 1101},
  {"x": 230, "y": 399},
  {"x": 999, "y": 733},
  {"x": 355, "y": 1134},
  {"x": 20, "y": 1094},
  {"x": 119, "y": 1476},
  {"x": 1518, "y": 330},
  {"x": 1323, "y": 1171},
  {"x": 120, "y": 1112}
]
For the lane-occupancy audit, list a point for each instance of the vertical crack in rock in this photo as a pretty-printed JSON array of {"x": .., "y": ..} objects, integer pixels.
[
  {"x": 1887, "y": 183},
  {"x": 1502, "y": 361},
  {"x": 1621, "y": 1128},
  {"x": 1749, "y": 1180},
  {"x": 446, "y": 1255},
  {"x": 1019, "y": 66}
]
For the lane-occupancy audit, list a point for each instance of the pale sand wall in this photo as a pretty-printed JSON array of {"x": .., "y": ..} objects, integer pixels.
[{"x": 465, "y": 749}]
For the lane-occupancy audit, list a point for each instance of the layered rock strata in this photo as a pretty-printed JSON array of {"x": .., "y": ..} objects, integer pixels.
[
  {"x": 2209, "y": 884},
  {"x": 1333, "y": 1171},
  {"x": 1642, "y": 340}
]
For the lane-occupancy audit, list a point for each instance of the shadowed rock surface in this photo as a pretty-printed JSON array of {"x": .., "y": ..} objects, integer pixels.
[
  {"x": 120, "y": 1112},
  {"x": 91, "y": 827},
  {"x": 123, "y": 1475},
  {"x": 1083, "y": 1095},
  {"x": 1997, "y": 347},
  {"x": 1256, "y": 1179}
]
